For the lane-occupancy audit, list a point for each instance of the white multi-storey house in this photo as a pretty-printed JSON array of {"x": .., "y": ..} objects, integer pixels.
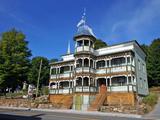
[{"x": 121, "y": 68}]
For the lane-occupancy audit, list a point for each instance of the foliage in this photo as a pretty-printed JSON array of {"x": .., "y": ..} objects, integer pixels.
[
  {"x": 151, "y": 99},
  {"x": 45, "y": 90},
  {"x": 53, "y": 60},
  {"x": 99, "y": 44},
  {"x": 14, "y": 59},
  {"x": 153, "y": 62},
  {"x": 33, "y": 72}
]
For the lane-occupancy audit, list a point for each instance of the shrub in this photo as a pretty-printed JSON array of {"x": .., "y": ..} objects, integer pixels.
[
  {"x": 44, "y": 90},
  {"x": 151, "y": 99}
]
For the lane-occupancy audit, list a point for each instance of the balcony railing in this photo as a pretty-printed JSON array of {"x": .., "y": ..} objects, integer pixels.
[
  {"x": 85, "y": 69},
  {"x": 84, "y": 48},
  {"x": 61, "y": 91},
  {"x": 124, "y": 88},
  {"x": 115, "y": 69},
  {"x": 68, "y": 74},
  {"x": 85, "y": 89},
  {"x": 70, "y": 90}
]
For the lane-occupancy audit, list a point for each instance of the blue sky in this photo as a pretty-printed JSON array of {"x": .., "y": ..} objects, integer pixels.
[{"x": 50, "y": 24}]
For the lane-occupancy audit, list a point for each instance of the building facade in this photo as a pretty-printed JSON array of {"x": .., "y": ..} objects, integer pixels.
[{"x": 120, "y": 67}]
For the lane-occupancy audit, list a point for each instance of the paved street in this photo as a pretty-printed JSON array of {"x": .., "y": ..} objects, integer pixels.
[
  {"x": 40, "y": 115},
  {"x": 155, "y": 114}
]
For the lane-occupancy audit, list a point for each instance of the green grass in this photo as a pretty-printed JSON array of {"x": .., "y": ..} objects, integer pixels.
[{"x": 151, "y": 99}]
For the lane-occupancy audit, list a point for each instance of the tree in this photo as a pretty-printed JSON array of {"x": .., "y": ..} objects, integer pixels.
[
  {"x": 14, "y": 59},
  {"x": 53, "y": 60},
  {"x": 153, "y": 62},
  {"x": 99, "y": 44},
  {"x": 33, "y": 72}
]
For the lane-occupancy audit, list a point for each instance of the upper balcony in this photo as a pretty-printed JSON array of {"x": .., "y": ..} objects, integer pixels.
[
  {"x": 84, "y": 49},
  {"x": 61, "y": 72},
  {"x": 84, "y": 45},
  {"x": 115, "y": 65}
]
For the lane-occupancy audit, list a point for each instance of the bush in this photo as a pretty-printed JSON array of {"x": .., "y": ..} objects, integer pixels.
[
  {"x": 151, "y": 99},
  {"x": 44, "y": 90}
]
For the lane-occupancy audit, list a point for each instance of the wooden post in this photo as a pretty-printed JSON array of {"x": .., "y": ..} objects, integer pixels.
[{"x": 39, "y": 74}]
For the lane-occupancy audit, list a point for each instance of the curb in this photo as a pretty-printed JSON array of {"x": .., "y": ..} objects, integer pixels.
[{"x": 95, "y": 113}]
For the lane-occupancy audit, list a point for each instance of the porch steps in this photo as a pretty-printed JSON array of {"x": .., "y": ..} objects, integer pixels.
[
  {"x": 98, "y": 102},
  {"x": 67, "y": 102}
]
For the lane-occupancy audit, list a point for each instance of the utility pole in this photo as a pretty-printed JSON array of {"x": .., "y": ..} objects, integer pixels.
[{"x": 39, "y": 75}]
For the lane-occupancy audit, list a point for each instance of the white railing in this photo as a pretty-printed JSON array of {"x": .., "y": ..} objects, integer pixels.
[
  {"x": 121, "y": 88},
  {"x": 115, "y": 69},
  {"x": 118, "y": 69},
  {"x": 68, "y": 74},
  {"x": 84, "y": 48},
  {"x": 61, "y": 91},
  {"x": 53, "y": 77},
  {"x": 85, "y": 89},
  {"x": 84, "y": 69},
  {"x": 101, "y": 71}
]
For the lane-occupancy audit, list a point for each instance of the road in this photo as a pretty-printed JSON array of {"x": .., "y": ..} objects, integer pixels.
[
  {"x": 155, "y": 114},
  {"x": 6, "y": 114}
]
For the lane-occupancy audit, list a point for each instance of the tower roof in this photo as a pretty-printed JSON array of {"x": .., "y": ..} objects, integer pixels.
[{"x": 84, "y": 30}]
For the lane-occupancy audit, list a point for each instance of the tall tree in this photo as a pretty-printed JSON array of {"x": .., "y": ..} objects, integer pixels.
[
  {"x": 14, "y": 63},
  {"x": 153, "y": 62},
  {"x": 33, "y": 73},
  {"x": 99, "y": 44}
]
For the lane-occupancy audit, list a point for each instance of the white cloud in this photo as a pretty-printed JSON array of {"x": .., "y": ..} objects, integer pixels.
[{"x": 141, "y": 19}]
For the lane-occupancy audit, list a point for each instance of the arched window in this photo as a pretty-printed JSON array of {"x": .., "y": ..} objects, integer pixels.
[
  {"x": 86, "y": 81},
  {"x": 79, "y": 63},
  {"x": 79, "y": 81},
  {"x": 86, "y": 62}
]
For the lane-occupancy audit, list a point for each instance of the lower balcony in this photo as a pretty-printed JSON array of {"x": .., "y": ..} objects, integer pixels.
[
  {"x": 61, "y": 91},
  {"x": 85, "y": 89},
  {"x": 125, "y": 88},
  {"x": 71, "y": 90}
]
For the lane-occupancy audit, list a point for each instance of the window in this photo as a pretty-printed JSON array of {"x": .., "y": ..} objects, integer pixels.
[
  {"x": 128, "y": 60},
  {"x": 143, "y": 68},
  {"x": 118, "y": 61},
  {"x": 101, "y": 64},
  {"x": 64, "y": 69},
  {"x": 145, "y": 84},
  {"x": 107, "y": 63},
  {"x": 79, "y": 43},
  {"x": 141, "y": 84},
  {"x": 119, "y": 81},
  {"x": 86, "y": 43},
  {"x": 139, "y": 64},
  {"x": 53, "y": 71}
]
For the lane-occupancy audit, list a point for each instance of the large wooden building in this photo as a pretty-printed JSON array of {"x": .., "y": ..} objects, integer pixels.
[{"x": 106, "y": 75}]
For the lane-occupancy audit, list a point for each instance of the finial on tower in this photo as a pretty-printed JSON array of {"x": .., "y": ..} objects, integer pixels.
[
  {"x": 69, "y": 49},
  {"x": 83, "y": 20}
]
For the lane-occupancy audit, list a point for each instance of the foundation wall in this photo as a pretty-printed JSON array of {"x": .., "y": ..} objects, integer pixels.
[{"x": 119, "y": 98}]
